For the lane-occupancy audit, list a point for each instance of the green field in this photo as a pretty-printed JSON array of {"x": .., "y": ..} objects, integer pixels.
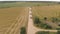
[{"x": 24, "y": 4}]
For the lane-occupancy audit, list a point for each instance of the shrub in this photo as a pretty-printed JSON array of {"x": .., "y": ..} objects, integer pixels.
[
  {"x": 36, "y": 20},
  {"x": 46, "y": 26},
  {"x": 42, "y": 32},
  {"x": 23, "y": 30},
  {"x": 58, "y": 32},
  {"x": 54, "y": 19},
  {"x": 45, "y": 18},
  {"x": 58, "y": 28}
]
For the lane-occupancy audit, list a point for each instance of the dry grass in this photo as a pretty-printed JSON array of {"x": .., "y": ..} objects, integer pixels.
[
  {"x": 46, "y": 11},
  {"x": 9, "y": 16}
]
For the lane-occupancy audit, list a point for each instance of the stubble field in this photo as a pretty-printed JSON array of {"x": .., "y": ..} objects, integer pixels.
[{"x": 11, "y": 17}]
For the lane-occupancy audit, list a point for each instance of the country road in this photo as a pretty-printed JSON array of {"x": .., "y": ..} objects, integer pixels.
[{"x": 31, "y": 29}]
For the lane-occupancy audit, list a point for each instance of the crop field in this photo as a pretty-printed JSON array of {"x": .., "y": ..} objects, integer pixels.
[
  {"x": 11, "y": 17},
  {"x": 47, "y": 11},
  {"x": 15, "y": 15}
]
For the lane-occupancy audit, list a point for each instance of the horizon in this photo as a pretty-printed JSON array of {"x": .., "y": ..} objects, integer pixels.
[{"x": 31, "y": 0}]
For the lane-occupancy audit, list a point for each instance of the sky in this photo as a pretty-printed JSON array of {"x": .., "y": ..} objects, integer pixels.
[{"x": 29, "y": 0}]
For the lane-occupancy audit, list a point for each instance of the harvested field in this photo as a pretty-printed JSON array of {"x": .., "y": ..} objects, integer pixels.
[
  {"x": 11, "y": 17},
  {"x": 46, "y": 11}
]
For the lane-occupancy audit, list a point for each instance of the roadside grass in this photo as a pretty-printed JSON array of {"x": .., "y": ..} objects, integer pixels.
[{"x": 45, "y": 32}]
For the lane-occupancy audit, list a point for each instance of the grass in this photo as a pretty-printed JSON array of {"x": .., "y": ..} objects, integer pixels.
[
  {"x": 24, "y": 4},
  {"x": 9, "y": 16},
  {"x": 10, "y": 11},
  {"x": 46, "y": 11},
  {"x": 45, "y": 32}
]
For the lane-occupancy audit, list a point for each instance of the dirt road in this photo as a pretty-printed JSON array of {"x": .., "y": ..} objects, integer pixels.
[{"x": 31, "y": 29}]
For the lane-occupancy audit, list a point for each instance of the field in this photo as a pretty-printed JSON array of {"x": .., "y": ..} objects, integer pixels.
[
  {"x": 48, "y": 12},
  {"x": 14, "y": 15},
  {"x": 9, "y": 16},
  {"x": 24, "y": 4}
]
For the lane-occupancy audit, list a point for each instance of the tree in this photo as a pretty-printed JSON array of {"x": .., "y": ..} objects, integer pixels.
[{"x": 36, "y": 20}]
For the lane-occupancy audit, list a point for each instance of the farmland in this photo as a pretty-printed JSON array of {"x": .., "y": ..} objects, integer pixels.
[
  {"x": 11, "y": 17},
  {"x": 47, "y": 11},
  {"x": 24, "y": 4},
  {"x": 15, "y": 15}
]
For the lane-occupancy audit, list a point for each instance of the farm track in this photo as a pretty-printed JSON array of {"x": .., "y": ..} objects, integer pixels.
[{"x": 31, "y": 28}]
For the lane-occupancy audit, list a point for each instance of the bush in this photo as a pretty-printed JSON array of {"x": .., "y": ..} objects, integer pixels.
[
  {"x": 45, "y": 18},
  {"x": 58, "y": 32},
  {"x": 36, "y": 20},
  {"x": 42, "y": 32},
  {"x": 58, "y": 28},
  {"x": 23, "y": 30},
  {"x": 38, "y": 5},
  {"x": 54, "y": 19},
  {"x": 46, "y": 26}
]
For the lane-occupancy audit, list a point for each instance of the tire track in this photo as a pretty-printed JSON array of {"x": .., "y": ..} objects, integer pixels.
[
  {"x": 11, "y": 26},
  {"x": 23, "y": 22},
  {"x": 14, "y": 25},
  {"x": 19, "y": 25},
  {"x": 12, "y": 31}
]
